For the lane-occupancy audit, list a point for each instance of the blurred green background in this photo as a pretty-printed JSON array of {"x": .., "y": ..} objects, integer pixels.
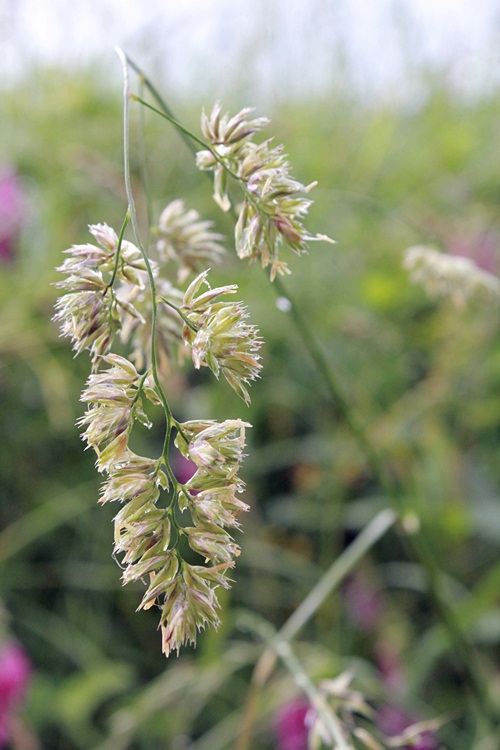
[{"x": 423, "y": 378}]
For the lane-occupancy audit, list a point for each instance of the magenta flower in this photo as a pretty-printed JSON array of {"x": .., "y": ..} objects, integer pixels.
[
  {"x": 11, "y": 213},
  {"x": 15, "y": 673},
  {"x": 183, "y": 467},
  {"x": 394, "y": 721},
  {"x": 290, "y": 725}
]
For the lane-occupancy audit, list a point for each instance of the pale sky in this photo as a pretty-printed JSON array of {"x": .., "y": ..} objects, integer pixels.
[{"x": 273, "y": 47}]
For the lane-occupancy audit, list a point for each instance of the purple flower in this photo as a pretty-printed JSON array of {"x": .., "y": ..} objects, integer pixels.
[
  {"x": 290, "y": 725},
  {"x": 183, "y": 467},
  {"x": 15, "y": 673},
  {"x": 394, "y": 721},
  {"x": 12, "y": 212}
]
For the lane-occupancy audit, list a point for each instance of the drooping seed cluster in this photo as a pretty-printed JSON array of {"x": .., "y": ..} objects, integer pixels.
[
  {"x": 274, "y": 203},
  {"x": 113, "y": 291},
  {"x": 188, "y": 240},
  {"x": 107, "y": 294},
  {"x": 219, "y": 336}
]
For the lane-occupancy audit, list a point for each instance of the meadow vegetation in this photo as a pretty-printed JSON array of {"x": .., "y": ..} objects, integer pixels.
[{"x": 420, "y": 377}]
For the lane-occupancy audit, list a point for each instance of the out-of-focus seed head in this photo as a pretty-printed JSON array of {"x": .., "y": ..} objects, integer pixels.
[{"x": 184, "y": 238}]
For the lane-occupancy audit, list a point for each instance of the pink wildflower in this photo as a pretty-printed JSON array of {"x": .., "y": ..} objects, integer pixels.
[
  {"x": 11, "y": 213},
  {"x": 183, "y": 467},
  {"x": 15, "y": 673},
  {"x": 394, "y": 721},
  {"x": 290, "y": 725}
]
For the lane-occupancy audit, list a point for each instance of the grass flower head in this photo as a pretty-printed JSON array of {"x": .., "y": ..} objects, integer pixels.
[
  {"x": 219, "y": 336},
  {"x": 274, "y": 203}
]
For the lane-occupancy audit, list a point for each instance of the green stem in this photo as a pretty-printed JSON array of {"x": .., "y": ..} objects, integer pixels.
[
  {"x": 186, "y": 136},
  {"x": 118, "y": 249},
  {"x": 139, "y": 388},
  {"x": 143, "y": 168},
  {"x": 463, "y": 650},
  {"x": 339, "y": 569},
  {"x": 189, "y": 134},
  {"x": 172, "y": 120},
  {"x": 282, "y": 649},
  {"x": 137, "y": 234},
  {"x": 179, "y": 312},
  {"x": 316, "y": 699},
  {"x": 336, "y": 394}
]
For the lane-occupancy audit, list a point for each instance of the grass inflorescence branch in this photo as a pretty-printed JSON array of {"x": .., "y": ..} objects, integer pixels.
[{"x": 114, "y": 289}]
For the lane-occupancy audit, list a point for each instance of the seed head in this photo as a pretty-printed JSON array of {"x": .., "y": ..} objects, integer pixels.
[
  {"x": 190, "y": 606},
  {"x": 187, "y": 240},
  {"x": 274, "y": 203},
  {"x": 115, "y": 396},
  {"x": 445, "y": 275},
  {"x": 90, "y": 311},
  {"x": 219, "y": 336}
]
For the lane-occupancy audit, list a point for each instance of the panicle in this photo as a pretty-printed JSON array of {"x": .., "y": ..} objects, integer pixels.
[
  {"x": 452, "y": 276},
  {"x": 335, "y": 698},
  {"x": 142, "y": 530},
  {"x": 228, "y": 137},
  {"x": 115, "y": 396},
  {"x": 274, "y": 203},
  {"x": 337, "y": 708},
  {"x": 230, "y": 132},
  {"x": 216, "y": 448},
  {"x": 217, "y": 505},
  {"x": 191, "y": 604},
  {"x": 144, "y": 537},
  {"x": 90, "y": 312},
  {"x": 135, "y": 480},
  {"x": 112, "y": 288},
  {"x": 219, "y": 336},
  {"x": 211, "y": 494},
  {"x": 184, "y": 238}
]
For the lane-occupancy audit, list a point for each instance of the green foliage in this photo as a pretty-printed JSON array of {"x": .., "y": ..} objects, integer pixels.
[{"x": 423, "y": 378}]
